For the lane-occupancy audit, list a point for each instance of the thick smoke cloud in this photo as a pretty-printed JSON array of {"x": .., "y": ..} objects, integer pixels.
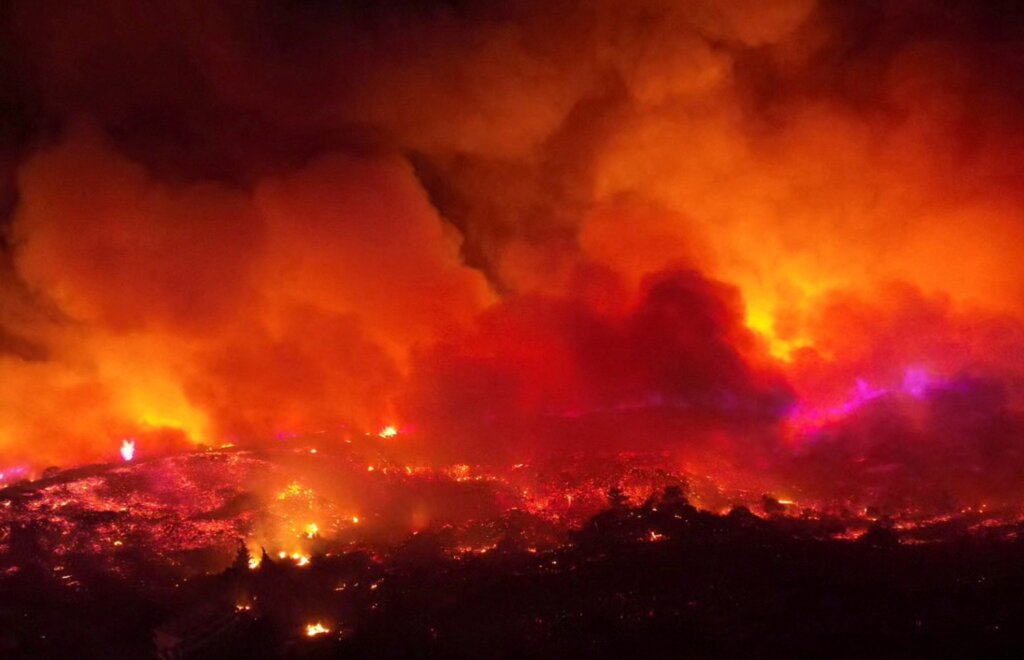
[
  {"x": 229, "y": 312},
  {"x": 923, "y": 409},
  {"x": 942, "y": 446},
  {"x": 598, "y": 369},
  {"x": 518, "y": 227}
]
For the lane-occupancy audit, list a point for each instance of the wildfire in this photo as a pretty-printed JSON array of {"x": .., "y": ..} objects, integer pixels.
[
  {"x": 796, "y": 282},
  {"x": 603, "y": 232},
  {"x": 296, "y": 490},
  {"x": 297, "y": 557}
]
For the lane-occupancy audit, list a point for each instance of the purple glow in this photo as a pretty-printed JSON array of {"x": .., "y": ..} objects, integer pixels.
[
  {"x": 13, "y": 472},
  {"x": 916, "y": 382}
]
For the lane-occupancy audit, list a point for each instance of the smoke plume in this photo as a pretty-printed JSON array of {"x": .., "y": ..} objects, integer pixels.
[{"x": 776, "y": 236}]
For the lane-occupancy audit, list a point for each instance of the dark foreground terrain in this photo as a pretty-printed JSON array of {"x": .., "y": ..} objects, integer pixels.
[{"x": 658, "y": 580}]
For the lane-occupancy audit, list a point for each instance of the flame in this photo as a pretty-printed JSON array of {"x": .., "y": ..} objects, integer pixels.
[
  {"x": 388, "y": 432},
  {"x": 314, "y": 629},
  {"x": 128, "y": 449}
]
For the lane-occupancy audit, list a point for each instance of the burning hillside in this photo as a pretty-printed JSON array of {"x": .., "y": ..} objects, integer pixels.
[
  {"x": 185, "y": 556},
  {"x": 334, "y": 280}
]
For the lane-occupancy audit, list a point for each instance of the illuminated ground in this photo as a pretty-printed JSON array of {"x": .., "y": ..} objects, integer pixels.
[{"x": 131, "y": 559}]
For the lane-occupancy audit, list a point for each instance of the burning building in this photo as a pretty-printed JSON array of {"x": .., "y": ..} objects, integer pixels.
[{"x": 413, "y": 298}]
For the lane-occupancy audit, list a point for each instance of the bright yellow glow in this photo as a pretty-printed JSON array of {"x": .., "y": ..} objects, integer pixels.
[
  {"x": 151, "y": 397},
  {"x": 314, "y": 629},
  {"x": 388, "y": 432},
  {"x": 295, "y": 489},
  {"x": 761, "y": 319}
]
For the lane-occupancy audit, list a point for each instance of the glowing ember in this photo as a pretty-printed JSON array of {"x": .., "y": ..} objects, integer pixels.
[
  {"x": 312, "y": 530},
  {"x": 388, "y": 432},
  {"x": 128, "y": 449},
  {"x": 314, "y": 629}
]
